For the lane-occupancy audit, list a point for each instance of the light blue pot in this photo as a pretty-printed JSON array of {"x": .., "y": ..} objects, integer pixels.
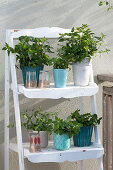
[
  {"x": 60, "y": 77},
  {"x": 61, "y": 142},
  {"x": 84, "y": 136}
]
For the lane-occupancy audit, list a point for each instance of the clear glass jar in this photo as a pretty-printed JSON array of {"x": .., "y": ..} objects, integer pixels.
[
  {"x": 34, "y": 137},
  {"x": 44, "y": 79},
  {"x": 31, "y": 80}
]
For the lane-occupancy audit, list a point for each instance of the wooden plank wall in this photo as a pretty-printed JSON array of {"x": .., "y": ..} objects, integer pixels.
[{"x": 108, "y": 127}]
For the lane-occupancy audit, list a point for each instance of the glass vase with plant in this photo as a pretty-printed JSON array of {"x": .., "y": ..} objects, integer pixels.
[{"x": 31, "y": 53}]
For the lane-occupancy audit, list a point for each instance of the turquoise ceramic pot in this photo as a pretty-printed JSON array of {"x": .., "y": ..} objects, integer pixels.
[
  {"x": 60, "y": 77},
  {"x": 61, "y": 142},
  {"x": 28, "y": 68},
  {"x": 84, "y": 136}
]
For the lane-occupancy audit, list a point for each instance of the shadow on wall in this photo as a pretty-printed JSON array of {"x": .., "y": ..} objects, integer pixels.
[
  {"x": 42, "y": 166},
  {"x": 46, "y": 104},
  {"x": 26, "y": 14}
]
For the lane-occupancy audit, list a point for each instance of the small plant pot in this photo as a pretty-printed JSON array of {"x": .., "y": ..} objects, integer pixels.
[
  {"x": 60, "y": 77},
  {"x": 43, "y": 139},
  {"x": 81, "y": 72},
  {"x": 31, "y": 69},
  {"x": 61, "y": 142},
  {"x": 84, "y": 136},
  {"x": 34, "y": 138}
]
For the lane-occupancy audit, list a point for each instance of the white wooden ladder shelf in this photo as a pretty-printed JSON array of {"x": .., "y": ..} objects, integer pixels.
[{"x": 49, "y": 154}]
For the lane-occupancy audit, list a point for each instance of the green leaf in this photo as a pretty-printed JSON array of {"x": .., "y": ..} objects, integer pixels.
[
  {"x": 86, "y": 119},
  {"x": 100, "y": 3},
  {"x": 11, "y": 126},
  {"x": 107, "y": 3}
]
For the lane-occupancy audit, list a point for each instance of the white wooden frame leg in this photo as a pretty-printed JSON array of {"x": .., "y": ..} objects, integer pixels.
[
  {"x": 96, "y": 129},
  {"x": 94, "y": 111},
  {"x": 17, "y": 109},
  {"x": 100, "y": 163},
  {"x": 6, "y": 122},
  {"x": 80, "y": 165}
]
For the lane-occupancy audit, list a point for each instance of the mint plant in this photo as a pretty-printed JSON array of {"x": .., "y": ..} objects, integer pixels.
[
  {"x": 59, "y": 63},
  {"x": 66, "y": 126},
  {"x": 30, "y": 51},
  {"x": 38, "y": 121},
  {"x": 86, "y": 119},
  {"x": 80, "y": 43}
]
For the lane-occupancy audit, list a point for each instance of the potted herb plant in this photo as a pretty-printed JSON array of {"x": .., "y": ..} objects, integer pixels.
[
  {"x": 63, "y": 131},
  {"x": 60, "y": 69},
  {"x": 80, "y": 45},
  {"x": 88, "y": 121},
  {"x": 38, "y": 123},
  {"x": 31, "y": 53}
]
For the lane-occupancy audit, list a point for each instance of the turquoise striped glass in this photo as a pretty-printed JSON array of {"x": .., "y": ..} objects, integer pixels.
[{"x": 32, "y": 69}]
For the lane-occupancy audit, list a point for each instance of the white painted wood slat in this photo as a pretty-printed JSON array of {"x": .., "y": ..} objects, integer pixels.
[
  {"x": 48, "y": 32},
  {"x": 49, "y": 154},
  {"x": 6, "y": 120},
  {"x": 70, "y": 91}
]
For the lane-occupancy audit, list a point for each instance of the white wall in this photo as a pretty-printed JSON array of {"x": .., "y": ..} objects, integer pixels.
[{"x": 61, "y": 13}]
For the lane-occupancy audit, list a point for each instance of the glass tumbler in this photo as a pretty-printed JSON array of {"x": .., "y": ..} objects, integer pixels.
[
  {"x": 34, "y": 137},
  {"x": 44, "y": 79},
  {"x": 31, "y": 80}
]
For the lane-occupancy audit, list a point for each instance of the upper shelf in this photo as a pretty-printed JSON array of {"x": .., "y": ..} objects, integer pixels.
[
  {"x": 70, "y": 91},
  {"x": 48, "y": 32}
]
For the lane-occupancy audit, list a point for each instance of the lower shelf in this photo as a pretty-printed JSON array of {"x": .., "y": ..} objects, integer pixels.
[{"x": 49, "y": 154}]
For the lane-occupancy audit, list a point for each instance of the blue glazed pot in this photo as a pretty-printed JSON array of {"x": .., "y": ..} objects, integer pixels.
[
  {"x": 29, "y": 68},
  {"x": 60, "y": 77},
  {"x": 61, "y": 142},
  {"x": 84, "y": 136}
]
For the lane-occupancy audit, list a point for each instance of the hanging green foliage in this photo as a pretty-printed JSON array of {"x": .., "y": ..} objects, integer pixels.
[{"x": 108, "y": 3}]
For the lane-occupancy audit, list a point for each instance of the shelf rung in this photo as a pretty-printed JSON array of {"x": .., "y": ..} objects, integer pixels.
[{"x": 74, "y": 154}]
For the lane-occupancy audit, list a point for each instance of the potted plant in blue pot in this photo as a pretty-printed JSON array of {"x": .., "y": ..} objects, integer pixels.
[
  {"x": 88, "y": 121},
  {"x": 63, "y": 131},
  {"x": 60, "y": 72},
  {"x": 31, "y": 53}
]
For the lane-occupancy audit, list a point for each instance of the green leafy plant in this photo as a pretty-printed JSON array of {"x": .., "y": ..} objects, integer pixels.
[
  {"x": 30, "y": 51},
  {"x": 66, "y": 126},
  {"x": 38, "y": 121},
  {"x": 59, "y": 63},
  {"x": 107, "y": 3},
  {"x": 86, "y": 119},
  {"x": 80, "y": 43}
]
